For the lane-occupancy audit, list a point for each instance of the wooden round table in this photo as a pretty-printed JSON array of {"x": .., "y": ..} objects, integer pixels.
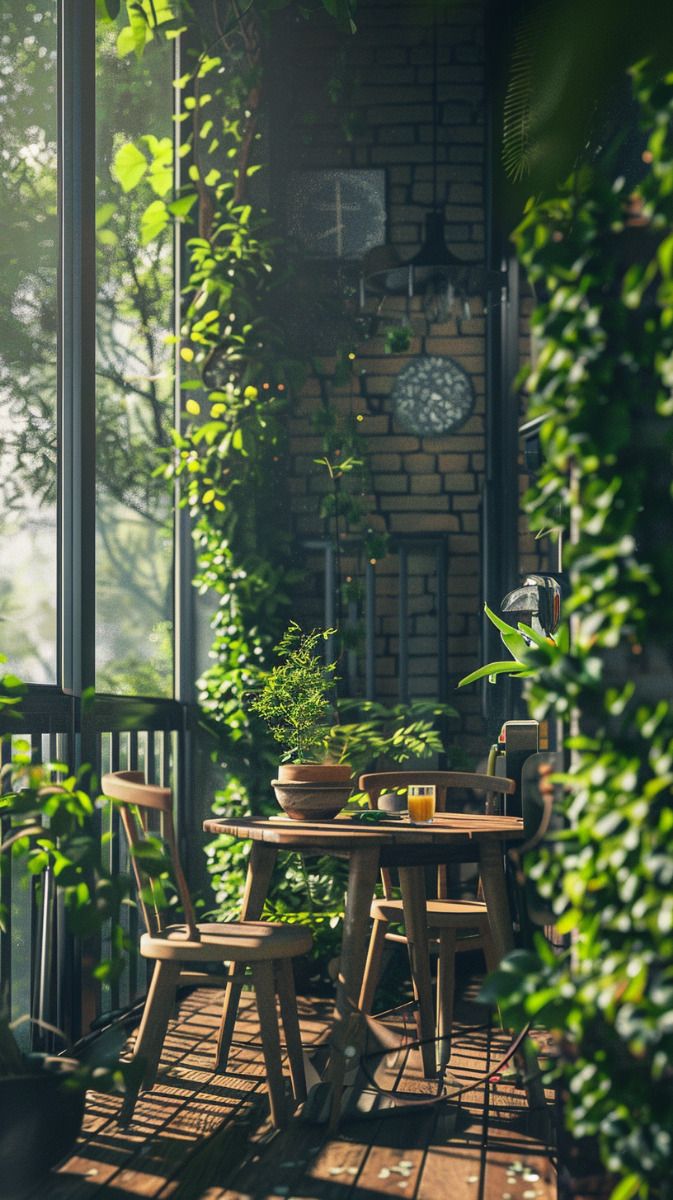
[{"x": 452, "y": 837}]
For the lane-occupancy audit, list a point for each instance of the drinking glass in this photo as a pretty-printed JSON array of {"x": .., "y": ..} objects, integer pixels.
[{"x": 421, "y": 802}]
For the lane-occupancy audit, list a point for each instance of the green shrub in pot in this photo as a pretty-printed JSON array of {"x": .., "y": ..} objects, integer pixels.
[{"x": 297, "y": 701}]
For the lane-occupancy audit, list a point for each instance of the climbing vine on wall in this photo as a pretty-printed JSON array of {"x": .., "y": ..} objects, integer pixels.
[
  {"x": 238, "y": 381},
  {"x": 602, "y": 261},
  {"x": 237, "y": 376}
]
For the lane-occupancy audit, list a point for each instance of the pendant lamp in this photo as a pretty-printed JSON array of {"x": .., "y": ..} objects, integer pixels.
[{"x": 445, "y": 281}]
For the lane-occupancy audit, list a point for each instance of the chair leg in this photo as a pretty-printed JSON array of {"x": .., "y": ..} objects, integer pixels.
[
  {"x": 373, "y": 965},
  {"x": 490, "y": 953},
  {"x": 446, "y": 986},
  {"x": 288, "y": 1012},
  {"x": 152, "y": 1032},
  {"x": 263, "y": 982},
  {"x": 230, "y": 1004}
]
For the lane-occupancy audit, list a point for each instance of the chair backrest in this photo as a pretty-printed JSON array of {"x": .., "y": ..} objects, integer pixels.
[
  {"x": 445, "y": 782},
  {"x": 137, "y": 800}
]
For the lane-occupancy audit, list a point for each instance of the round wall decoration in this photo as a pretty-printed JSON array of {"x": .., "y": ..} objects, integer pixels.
[{"x": 432, "y": 396}]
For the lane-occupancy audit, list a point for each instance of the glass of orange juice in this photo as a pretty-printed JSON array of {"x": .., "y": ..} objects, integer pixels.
[{"x": 421, "y": 802}]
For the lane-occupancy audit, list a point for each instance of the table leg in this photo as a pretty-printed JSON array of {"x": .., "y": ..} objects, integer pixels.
[
  {"x": 260, "y": 869},
  {"x": 492, "y": 870},
  {"x": 349, "y": 1038},
  {"x": 412, "y": 883}
]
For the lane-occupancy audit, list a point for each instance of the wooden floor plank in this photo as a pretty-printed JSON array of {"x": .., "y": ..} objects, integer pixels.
[
  {"x": 200, "y": 1136},
  {"x": 165, "y": 1117}
]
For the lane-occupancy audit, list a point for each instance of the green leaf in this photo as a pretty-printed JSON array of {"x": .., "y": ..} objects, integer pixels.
[
  {"x": 129, "y": 166},
  {"x": 498, "y": 621},
  {"x": 628, "y": 1187},
  {"x": 103, "y": 214},
  {"x": 511, "y": 667},
  {"x": 183, "y": 205},
  {"x": 538, "y": 638},
  {"x": 128, "y": 41},
  {"x": 153, "y": 221}
]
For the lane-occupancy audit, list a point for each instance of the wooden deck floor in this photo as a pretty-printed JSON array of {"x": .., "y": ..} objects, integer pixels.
[{"x": 199, "y": 1136}]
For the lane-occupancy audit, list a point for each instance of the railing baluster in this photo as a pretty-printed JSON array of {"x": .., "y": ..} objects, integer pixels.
[
  {"x": 443, "y": 642},
  {"x": 370, "y": 632},
  {"x": 166, "y": 774},
  {"x": 134, "y": 757},
  {"x": 403, "y": 623},
  {"x": 330, "y": 599},
  {"x": 6, "y": 897},
  {"x": 351, "y": 656},
  {"x": 150, "y": 760}
]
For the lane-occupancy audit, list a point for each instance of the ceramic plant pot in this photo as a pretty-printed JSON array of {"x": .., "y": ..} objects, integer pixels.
[
  {"x": 41, "y": 1118},
  {"x": 314, "y": 773},
  {"x": 312, "y": 791}
]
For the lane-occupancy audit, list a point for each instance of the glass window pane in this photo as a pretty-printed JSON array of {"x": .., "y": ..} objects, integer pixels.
[
  {"x": 134, "y": 546},
  {"x": 28, "y": 329}
]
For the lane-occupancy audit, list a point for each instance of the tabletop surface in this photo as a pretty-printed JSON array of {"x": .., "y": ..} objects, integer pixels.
[{"x": 345, "y": 833}]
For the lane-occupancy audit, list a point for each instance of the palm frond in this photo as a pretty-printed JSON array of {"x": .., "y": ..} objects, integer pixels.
[{"x": 517, "y": 140}]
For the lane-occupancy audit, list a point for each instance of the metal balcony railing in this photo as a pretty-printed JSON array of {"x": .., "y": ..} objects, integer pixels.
[{"x": 44, "y": 970}]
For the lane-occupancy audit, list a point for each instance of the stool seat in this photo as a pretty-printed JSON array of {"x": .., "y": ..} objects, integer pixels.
[
  {"x": 442, "y": 914},
  {"x": 244, "y": 941}
]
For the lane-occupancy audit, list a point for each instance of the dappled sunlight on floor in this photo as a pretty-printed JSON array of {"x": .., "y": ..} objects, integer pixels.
[{"x": 200, "y": 1136}]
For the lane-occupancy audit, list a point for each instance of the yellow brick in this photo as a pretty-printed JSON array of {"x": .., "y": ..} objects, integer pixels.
[
  {"x": 426, "y": 484},
  {"x": 457, "y": 481},
  {"x": 416, "y": 503},
  {"x": 453, "y": 462},
  {"x": 420, "y": 464},
  {"x": 386, "y": 462},
  {"x": 423, "y": 522}
]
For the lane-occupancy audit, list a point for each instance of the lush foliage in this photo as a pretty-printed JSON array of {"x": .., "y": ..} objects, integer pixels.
[
  {"x": 134, "y": 388},
  {"x": 603, "y": 261},
  {"x": 242, "y": 366},
  {"x": 368, "y": 733},
  {"x": 51, "y": 824},
  {"x": 567, "y": 92},
  {"x": 53, "y": 828}
]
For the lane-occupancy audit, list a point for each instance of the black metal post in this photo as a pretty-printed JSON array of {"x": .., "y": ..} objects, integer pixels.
[
  {"x": 403, "y": 624},
  {"x": 370, "y": 632}
]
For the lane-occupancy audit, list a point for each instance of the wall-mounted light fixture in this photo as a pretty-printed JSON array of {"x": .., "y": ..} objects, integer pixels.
[{"x": 446, "y": 282}]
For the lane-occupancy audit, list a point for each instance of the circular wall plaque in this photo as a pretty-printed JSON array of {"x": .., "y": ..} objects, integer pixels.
[{"x": 432, "y": 396}]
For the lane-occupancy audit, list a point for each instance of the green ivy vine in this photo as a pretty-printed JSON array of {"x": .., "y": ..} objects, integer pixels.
[
  {"x": 601, "y": 260},
  {"x": 240, "y": 378}
]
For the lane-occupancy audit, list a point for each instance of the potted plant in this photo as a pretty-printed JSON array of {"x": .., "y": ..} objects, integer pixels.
[
  {"x": 42, "y": 1102},
  {"x": 297, "y": 704}
]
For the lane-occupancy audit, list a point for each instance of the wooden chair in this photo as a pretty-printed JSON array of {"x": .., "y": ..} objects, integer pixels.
[
  {"x": 447, "y": 918},
  {"x": 267, "y": 949}
]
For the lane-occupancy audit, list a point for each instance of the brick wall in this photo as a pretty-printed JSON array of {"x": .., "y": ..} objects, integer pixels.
[{"x": 422, "y": 487}]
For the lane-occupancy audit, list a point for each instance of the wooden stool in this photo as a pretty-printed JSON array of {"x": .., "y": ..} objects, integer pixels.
[
  {"x": 266, "y": 949},
  {"x": 445, "y": 918}
]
